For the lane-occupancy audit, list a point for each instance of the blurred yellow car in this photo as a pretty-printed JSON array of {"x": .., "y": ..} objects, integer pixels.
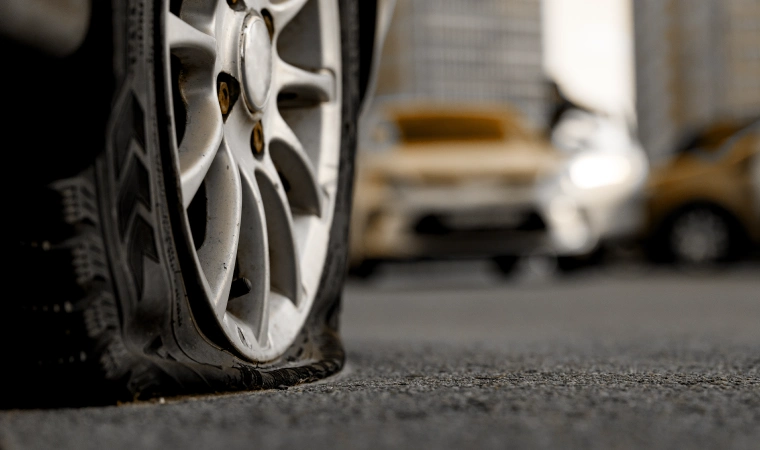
[
  {"x": 449, "y": 181},
  {"x": 704, "y": 205}
]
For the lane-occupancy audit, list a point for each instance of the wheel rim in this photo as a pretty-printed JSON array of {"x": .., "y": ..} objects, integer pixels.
[
  {"x": 700, "y": 236},
  {"x": 256, "y": 88}
]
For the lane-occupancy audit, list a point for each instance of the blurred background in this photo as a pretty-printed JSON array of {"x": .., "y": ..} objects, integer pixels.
[{"x": 550, "y": 137}]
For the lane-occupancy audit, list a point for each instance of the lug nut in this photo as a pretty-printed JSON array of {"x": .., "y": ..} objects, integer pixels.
[
  {"x": 257, "y": 140},
  {"x": 224, "y": 98}
]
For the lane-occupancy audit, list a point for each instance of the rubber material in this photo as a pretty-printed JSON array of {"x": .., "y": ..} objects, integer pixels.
[{"x": 658, "y": 245}]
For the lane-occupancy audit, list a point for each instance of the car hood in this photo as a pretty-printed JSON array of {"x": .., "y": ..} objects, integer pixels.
[{"x": 513, "y": 162}]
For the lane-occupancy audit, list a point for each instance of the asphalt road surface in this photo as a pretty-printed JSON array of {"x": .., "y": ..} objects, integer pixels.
[{"x": 451, "y": 356}]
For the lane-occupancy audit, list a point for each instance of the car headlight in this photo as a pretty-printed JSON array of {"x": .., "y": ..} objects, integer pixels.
[{"x": 591, "y": 171}]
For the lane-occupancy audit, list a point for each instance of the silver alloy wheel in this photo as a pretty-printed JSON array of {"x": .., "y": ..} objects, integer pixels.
[
  {"x": 700, "y": 236},
  {"x": 258, "y": 156}
]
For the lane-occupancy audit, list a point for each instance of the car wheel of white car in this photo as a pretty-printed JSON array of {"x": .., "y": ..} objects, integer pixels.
[{"x": 199, "y": 244}]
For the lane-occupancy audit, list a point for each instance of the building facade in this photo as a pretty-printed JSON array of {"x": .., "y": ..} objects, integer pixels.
[
  {"x": 697, "y": 62},
  {"x": 467, "y": 50}
]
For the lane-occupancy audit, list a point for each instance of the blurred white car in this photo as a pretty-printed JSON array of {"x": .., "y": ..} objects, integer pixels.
[
  {"x": 597, "y": 196},
  {"x": 437, "y": 183},
  {"x": 445, "y": 180}
]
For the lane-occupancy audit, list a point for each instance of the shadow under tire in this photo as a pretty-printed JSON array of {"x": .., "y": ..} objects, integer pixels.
[{"x": 506, "y": 265}]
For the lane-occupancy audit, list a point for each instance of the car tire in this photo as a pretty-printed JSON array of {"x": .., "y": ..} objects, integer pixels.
[
  {"x": 506, "y": 264},
  {"x": 113, "y": 296},
  {"x": 365, "y": 269},
  {"x": 572, "y": 264},
  {"x": 702, "y": 236}
]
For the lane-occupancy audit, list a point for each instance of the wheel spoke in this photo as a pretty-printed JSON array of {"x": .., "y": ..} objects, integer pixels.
[
  {"x": 314, "y": 86},
  {"x": 218, "y": 252},
  {"x": 294, "y": 166},
  {"x": 200, "y": 144},
  {"x": 252, "y": 263},
  {"x": 197, "y": 52},
  {"x": 284, "y": 269},
  {"x": 191, "y": 45},
  {"x": 284, "y": 12}
]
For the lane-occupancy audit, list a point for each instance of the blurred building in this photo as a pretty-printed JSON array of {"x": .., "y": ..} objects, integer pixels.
[
  {"x": 697, "y": 61},
  {"x": 472, "y": 50}
]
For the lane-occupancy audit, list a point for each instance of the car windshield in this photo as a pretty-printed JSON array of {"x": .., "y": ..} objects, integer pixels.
[{"x": 709, "y": 138}]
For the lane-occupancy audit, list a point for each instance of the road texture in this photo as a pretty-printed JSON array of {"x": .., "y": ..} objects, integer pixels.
[{"x": 448, "y": 356}]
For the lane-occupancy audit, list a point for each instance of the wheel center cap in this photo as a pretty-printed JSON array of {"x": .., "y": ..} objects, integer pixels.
[{"x": 256, "y": 55}]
